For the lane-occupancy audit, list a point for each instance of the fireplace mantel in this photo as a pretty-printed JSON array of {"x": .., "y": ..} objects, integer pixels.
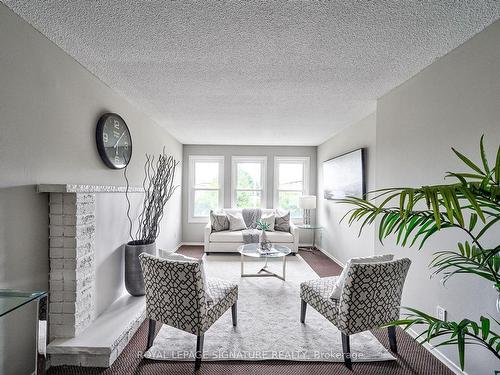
[{"x": 85, "y": 189}]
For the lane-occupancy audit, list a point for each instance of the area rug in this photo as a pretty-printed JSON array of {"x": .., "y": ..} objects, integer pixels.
[{"x": 269, "y": 325}]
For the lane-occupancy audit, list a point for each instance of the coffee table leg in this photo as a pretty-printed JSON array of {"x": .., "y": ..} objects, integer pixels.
[
  {"x": 284, "y": 267},
  {"x": 242, "y": 261}
]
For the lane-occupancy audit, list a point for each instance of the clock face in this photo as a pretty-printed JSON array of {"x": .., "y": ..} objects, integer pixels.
[{"x": 114, "y": 142}]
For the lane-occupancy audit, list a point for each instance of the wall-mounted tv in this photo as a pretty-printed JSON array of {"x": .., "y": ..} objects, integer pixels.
[{"x": 344, "y": 175}]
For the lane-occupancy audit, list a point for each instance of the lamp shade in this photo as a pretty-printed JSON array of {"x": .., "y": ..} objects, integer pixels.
[{"x": 307, "y": 202}]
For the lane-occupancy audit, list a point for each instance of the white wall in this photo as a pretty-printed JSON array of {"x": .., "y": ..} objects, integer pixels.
[
  {"x": 49, "y": 106},
  {"x": 337, "y": 238},
  {"x": 193, "y": 232},
  {"x": 450, "y": 103}
]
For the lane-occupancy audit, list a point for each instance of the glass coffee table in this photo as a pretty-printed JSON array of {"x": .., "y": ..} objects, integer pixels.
[{"x": 252, "y": 250}]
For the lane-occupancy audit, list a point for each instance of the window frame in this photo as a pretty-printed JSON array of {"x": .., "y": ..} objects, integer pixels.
[
  {"x": 191, "y": 190},
  {"x": 306, "y": 162},
  {"x": 263, "y": 171}
]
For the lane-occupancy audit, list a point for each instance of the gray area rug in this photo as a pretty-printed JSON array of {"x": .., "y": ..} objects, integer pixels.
[{"x": 269, "y": 327}]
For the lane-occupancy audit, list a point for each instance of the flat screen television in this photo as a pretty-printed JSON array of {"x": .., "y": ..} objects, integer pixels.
[{"x": 344, "y": 175}]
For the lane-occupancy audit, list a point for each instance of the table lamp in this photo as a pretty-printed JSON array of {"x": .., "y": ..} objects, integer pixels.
[{"x": 307, "y": 203}]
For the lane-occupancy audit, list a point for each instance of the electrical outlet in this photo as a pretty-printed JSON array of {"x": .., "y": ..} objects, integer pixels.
[{"x": 441, "y": 313}]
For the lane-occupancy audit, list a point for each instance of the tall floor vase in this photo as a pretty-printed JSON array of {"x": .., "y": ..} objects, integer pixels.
[{"x": 134, "y": 281}]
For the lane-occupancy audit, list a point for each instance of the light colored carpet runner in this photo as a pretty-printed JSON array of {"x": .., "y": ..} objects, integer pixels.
[{"x": 269, "y": 325}]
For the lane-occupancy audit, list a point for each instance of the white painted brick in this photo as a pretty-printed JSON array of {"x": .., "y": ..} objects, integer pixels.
[
  {"x": 69, "y": 275},
  {"x": 69, "y": 209},
  {"x": 56, "y": 275},
  {"x": 56, "y": 264},
  {"x": 56, "y": 242},
  {"x": 69, "y": 296},
  {"x": 78, "y": 219},
  {"x": 69, "y": 253},
  {"x": 84, "y": 262},
  {"x": 56, "y": 219},
  {"x": 56, "y": 285},
  {"x": 56, "y": 231},
  {"x": 56, "y": 296},
  {"x": 56, "y": 209},
  {"x": 69, "y": 285},
  {"x": 62, "y": 330},
  {"x": 70, "y": 231},
  {"x": 77, "y": 242},
  {"x": 69, "y": 198},
  {"x": 69, "y": 219},
  {"x": 56, "y": 307},
  {"x": 70, "y": 264},
  {"x": 56, "y": 198},
  {"x": 68, "y": 307},
  {"x": 84, "y": 282},
  {"x": 68, "y": 319},
  {"x": 57, "y": 252},
  {"x": 56, "y": 318}
]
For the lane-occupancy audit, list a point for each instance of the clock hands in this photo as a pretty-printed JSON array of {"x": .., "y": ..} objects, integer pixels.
[{"x": 116, "y": 144}]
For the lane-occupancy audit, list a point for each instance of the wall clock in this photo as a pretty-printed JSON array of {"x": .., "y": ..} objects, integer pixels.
[{"x": 114, "y": 142}]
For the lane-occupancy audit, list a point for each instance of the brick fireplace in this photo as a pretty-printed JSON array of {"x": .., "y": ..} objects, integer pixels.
[{"x": 77, "y": 334}]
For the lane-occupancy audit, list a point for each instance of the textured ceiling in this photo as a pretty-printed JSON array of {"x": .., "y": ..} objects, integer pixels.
[{"x": 254, "y": 72}]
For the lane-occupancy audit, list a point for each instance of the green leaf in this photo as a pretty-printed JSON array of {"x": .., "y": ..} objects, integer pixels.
[
  {"x": 485, "y": 327},
  {"x": 483, "y": 155},
  {"x": 468, "y": 162},
  {"x": 472, "y": 221},
  {"x": 497, "y": 167}
]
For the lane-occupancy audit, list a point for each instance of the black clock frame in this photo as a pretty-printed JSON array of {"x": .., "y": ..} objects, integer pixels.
[{"x": 100, "y": 142}]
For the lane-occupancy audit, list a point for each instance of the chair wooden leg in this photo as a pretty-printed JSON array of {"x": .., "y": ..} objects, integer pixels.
[
  {"x": 392, "y": 339},
  {"x": 151, "y": 333},
  {"x": 303, "y": 308},
  {"x": 199, "y": 352},
  {"x": 346, "y": 348},
  {"x": 234, "y": 313}
]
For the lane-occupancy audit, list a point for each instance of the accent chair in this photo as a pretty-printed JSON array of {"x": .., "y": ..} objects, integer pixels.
[
  {"x": 370, "y": 298},
  {"x": 176, "y": 296}
]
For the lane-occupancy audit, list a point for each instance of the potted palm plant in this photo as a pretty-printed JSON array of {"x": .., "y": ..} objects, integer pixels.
[
  {"x": 414, "y": 214},
  {"x": 158, "y": 184}
]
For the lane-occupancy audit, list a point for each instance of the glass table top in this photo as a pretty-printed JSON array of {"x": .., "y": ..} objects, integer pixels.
[
  {"x": 12, "y": 299},
  {"x": 309, "y": 226},
  {"x": 252, "y": 250}
]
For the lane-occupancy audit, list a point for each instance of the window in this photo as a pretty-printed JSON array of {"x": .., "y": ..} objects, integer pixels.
[
  {"x": 248, "y": 181},
  {"x": 206, "y": 186},
  {"x": 291, "y": 180}
]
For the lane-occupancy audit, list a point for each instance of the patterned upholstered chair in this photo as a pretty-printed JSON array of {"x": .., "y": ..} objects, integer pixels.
[
  {"x": 371, "y": 297},
  {"x": 175, "y": 295}
]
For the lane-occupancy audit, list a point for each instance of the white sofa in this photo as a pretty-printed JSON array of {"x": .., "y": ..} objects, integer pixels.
[{"x": 228, "y": 241}]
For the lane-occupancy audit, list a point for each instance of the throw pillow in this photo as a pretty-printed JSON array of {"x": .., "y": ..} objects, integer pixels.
[
  {"x": 219, "y": 221},
  {"x": 176, "y": 257},
  {"x": 337, "y": 289},
  {"x": 236, "y": 221},
  {"x": 282, "y": 221},
  {"x": 268, "y": 219}
]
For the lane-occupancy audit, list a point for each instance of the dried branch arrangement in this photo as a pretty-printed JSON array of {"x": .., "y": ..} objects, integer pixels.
[{"x": 158, "y": 184}]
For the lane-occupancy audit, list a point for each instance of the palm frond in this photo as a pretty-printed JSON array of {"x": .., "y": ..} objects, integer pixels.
[{"x": 460, "y": 334}]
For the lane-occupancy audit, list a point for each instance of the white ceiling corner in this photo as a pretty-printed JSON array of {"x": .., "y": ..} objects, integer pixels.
[{"x": 253, "y": 72}]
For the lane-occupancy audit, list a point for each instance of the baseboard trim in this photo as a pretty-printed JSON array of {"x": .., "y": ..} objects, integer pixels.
[
  {"x": 192, "y": 244},
  {"x": 331, "y": 256},
  {"x": 438, "y": 354}
]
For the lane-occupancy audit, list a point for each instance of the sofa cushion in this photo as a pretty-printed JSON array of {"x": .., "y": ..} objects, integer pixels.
[
  {"x": 269, "y": 220},
  {"x": 236, "y": 222},
  {"x": 282, "y": 221},
  {"x": 219, "y": 221},
  {"x": 237, "y": 237}
]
